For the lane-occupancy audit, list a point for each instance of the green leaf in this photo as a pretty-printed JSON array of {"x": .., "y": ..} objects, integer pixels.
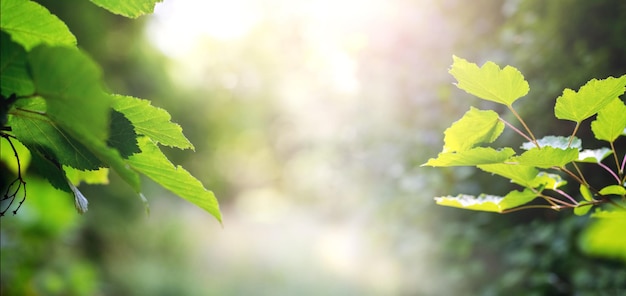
[
  {"x": 591, "y": 98},
  {"x": 122, "y": 135},
  {"x": 585, "y": 192},
  {"x": 488, "y": 203},
  {"x": 14, "y": 77},
  {"x": 611, "y": 121},
  {"x": 521, "y": 174},
  {"x": 548, "y": 181},
  {"x": 100, "y": 176},
  {"x": 594, "y": 155},
  {"x": 490, "y": 82},
  {"x": 605, "y": 236},
  {"x": 40, "y": 134},
  {"x": 31, "y": 24},
  {"x": 547, "y": 157},
  {"x": 71, "y": 84},
  {"x": 50, "y": 170},
  {"x": 613, "y": 190},
  {"x": 475, "y": 127},
  {"x": 472, "y": 157},
  {"x": 151, "y": 121},
  {"x": 157, "y": 167},
  {"x": 555, "y": 142},
  {"x": 582, "y": 209},
  {"x": 128, "y": 8}
]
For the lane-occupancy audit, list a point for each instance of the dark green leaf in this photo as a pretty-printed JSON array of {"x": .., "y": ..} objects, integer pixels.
[
  {"x": 70, "y": 82},
  {"x": 14, "y": 77},
  {"x": 50, "y": 170},
  {"x": 40, "y": 134},
  {"x": 122, "y": 135}
]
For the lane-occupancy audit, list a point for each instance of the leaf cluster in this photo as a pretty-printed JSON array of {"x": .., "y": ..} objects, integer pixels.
[
  {"x": 542, "y": 164},
  {"x": 55, "y": 103}
]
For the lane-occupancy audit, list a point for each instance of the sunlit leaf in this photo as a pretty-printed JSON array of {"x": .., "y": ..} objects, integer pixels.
[
  {"x": 521, "y": 174},
  {"x": 488, "y": 203},
  {"x": 613, "y": 189},
  {"x": 475, "y": 127},
  {"x": 472, "y": 157},
  {"x": 151, "y": 121},
  {"x": 100, "y": 176},
  {"x": 489, "y": 82},
  {"x": 605, "y": 235},
  {"x": 14, "y": 77},
  {"x": 555, "y": 142},
  {"x": 70, "y": 82},
  {"x": 31, "y": 24},
  {"x": 548, "y": 181},
  {"x": 157, "y": 167},
  {"x": 585, "y": 192},
  {"x": 611, "y": 121},
  {"x": 128, "y": 8},
  {"x": 547, "y": 157},
  {"x": 594, "y": 155},
  {"x": 582, "y": 209},
  {"x": 591, "y": 98}
]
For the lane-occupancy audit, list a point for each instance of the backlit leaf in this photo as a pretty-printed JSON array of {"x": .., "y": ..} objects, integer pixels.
[
  {"x": 547, "y": 157},
  {"x": 152, "y": 163},
  {"x": 100, "y": 176},
  {"x": 548, "y": 181},
  {"x": 42, "y": 135},
  {"x": 31, "y": 24},
  {"x": 589, "y": 99},
  {"x": 489, "y": 82},
  {"x": 521, "y": 174},
  {"x": 582, "y": 209},
  {"x": 488, "y": 203},
  {"x": 613, "y": 190},
  {"x": 585, "y": 192},
  {"x": 472, "y": 157},
  {"x": 475, "y": 127},
  {"x": 555, "y": 142},
  {"x": 14, "y": 77},
  {"x": 128, "y": 8},
  {"x": 594, "y": 155},
  {"x": 70, "y": 82},
  {"x": 605, "y": 235},
  {"x": 151, "y": 121},
  {"x": 611, "y": 121}
]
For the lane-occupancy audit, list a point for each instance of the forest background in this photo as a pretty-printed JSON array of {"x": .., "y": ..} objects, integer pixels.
[{"x": 310, "y": 120}]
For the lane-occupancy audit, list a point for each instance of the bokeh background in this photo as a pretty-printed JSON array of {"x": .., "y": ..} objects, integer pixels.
[{"x": 310, "y": 121}]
